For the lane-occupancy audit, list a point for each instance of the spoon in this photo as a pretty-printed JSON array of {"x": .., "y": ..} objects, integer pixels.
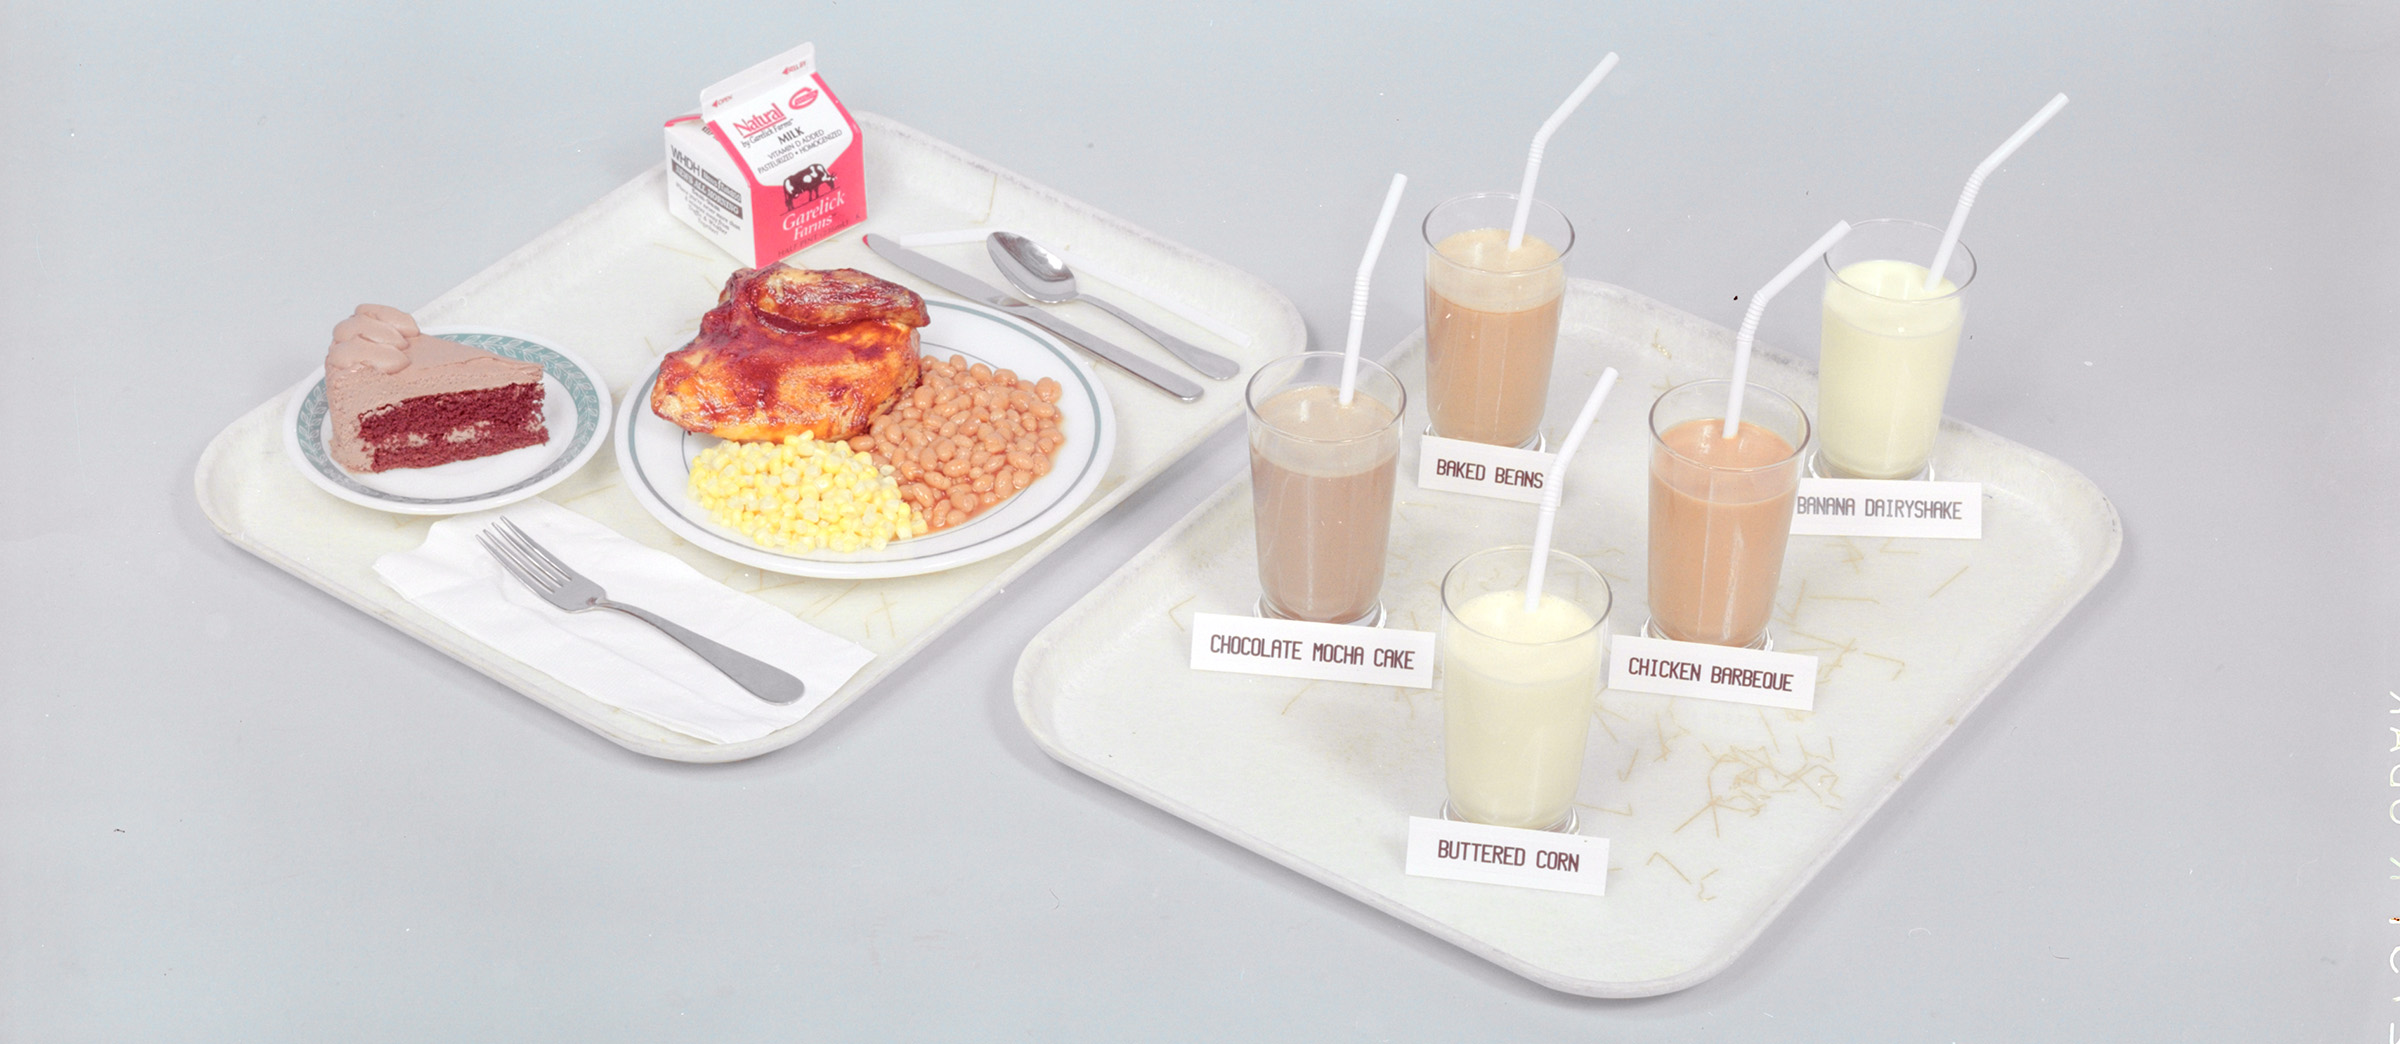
[{"x": 1045, "y": 277}]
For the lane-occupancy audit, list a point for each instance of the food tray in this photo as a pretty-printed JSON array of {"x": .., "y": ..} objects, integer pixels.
[
  {"x": 623, "y": 283},
  {"x": 1717, "y": 814}
]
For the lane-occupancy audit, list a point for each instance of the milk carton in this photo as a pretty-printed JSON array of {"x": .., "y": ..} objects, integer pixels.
[{"x": 770, "y": 164}]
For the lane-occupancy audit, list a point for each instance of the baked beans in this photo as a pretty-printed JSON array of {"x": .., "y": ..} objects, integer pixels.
[{"x": 967, "y": 438}]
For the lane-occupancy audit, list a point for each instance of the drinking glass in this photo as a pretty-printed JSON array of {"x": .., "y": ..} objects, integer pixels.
[
  {"x": 1517, "y": 687},
  {"x": 1321, "y": 477},
  {"x": 1720, "y": 511},
  {"x": 1491, "y": 317}
]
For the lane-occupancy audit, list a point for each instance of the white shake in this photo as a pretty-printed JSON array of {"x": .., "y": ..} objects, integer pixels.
[
  {"x": 1517, "y": 691},
  {"x": 1884, "y": 367}
]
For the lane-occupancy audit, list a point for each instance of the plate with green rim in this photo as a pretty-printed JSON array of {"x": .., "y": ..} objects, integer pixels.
[
  {"x": 575, "y": 409},
  {"x": 655, "y": 457}
]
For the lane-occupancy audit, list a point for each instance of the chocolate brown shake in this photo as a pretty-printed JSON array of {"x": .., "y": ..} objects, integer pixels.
[
  {"x": 1720, "y": 514},
  {"x": 1321, "y": 478}
]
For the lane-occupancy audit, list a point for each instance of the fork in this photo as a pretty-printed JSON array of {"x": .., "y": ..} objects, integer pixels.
[{"x": 559, "y": 584}]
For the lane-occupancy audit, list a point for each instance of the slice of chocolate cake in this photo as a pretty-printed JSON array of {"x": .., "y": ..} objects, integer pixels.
[{"x": 400, "y": 399}]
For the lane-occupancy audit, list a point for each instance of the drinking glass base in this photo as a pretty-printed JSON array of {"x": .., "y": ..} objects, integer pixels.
[
  {"x": 1539, "y": 443},
  {"x": 1374, "y": 617},
  {"x": 1818, "y": 467},
  {"x": 1765, "y": 642},
  {"x": 1563, "y": 826}
]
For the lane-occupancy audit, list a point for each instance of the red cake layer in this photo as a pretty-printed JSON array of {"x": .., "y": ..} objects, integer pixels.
[{"x": 427, "y": 430}]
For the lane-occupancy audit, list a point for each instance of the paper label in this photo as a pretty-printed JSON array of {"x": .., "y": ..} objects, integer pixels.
[
  {"x": 1712, "y": 672},
  {"x": 1507, "y": 856},
  {"x": 780, "y": 135},
  {"x": 1320, "y": 652},
  {"x": 770, "y": 116},
  {"x": 1480, "y": 469},
  {"x": 1878, "y": 508}
]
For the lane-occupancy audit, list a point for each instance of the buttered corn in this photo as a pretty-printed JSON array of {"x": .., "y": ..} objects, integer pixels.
[{"x": 803, "y": 495}]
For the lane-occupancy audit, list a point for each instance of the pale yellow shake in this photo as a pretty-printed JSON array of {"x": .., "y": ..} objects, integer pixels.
[
  {"x": 1517, "y": 691},
  {"x": 1883, "y": 368}
]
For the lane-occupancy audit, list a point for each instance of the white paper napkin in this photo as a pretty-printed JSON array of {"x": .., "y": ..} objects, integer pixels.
[{"x": 611, "y": 657}]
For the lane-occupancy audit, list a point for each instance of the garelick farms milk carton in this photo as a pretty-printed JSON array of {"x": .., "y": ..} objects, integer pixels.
[{"x": 770, "y": 164}]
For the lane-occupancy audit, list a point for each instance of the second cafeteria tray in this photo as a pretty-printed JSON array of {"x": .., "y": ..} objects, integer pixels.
[
  {"x": 623, "y": 283},
  {"x": 1717, "y": 814}
]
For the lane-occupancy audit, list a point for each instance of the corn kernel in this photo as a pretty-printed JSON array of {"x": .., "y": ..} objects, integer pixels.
[{"x": 802, "y": 494}]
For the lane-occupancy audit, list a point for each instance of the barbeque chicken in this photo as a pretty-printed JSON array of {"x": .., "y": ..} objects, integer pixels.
[{"x": 788, "y": 350}]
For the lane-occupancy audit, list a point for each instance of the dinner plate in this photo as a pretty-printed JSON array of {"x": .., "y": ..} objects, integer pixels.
[
  {"x": 575, "y": 408},
  {"x": 656, "y": 457}
]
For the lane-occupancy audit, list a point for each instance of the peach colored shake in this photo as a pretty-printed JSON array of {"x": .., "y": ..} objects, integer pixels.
[{"x": 1720, "y": 512}]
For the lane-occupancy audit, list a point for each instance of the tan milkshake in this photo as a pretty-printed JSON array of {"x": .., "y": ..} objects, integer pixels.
[
  {"x": 1321, "y": 480},
  {"x": 1491, "y": 317},
  {"x": 1720, "y": 511}
]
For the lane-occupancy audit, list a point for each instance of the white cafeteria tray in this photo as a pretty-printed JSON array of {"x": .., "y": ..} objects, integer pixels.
[
  {"x": 1717, "y": 814},
  {"x": 623, "y": 283}
]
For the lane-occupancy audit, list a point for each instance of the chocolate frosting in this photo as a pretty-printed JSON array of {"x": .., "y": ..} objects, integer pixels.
[
  {"x": 380, "y": 358},
  {"x": 374, "y": 335}
]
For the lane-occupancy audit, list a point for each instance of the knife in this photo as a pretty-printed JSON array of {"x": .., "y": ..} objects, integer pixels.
[{"x": 983, "y": 293}]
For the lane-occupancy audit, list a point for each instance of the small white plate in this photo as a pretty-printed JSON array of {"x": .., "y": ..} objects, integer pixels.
[
  {"x": 656, "y": 457},
  {"x": 575, "y": 407}
]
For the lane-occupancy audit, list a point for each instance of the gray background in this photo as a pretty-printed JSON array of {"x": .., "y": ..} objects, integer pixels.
[{"x": 232, "y": 808}]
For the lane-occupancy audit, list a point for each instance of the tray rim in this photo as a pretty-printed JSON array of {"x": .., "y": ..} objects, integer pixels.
[
  {"x": 538, "y": 686},
  {"x": 1050, "y": 636}
]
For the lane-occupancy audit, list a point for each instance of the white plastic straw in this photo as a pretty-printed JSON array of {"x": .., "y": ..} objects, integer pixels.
[
  {"x": 1758, "y": 307},
  {"x": 1541, "y": 140},
  {"x": 1966, "y": 199},
  {"x": 1358, "y": 297},
  {"x": 1554, "y": 486}
]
